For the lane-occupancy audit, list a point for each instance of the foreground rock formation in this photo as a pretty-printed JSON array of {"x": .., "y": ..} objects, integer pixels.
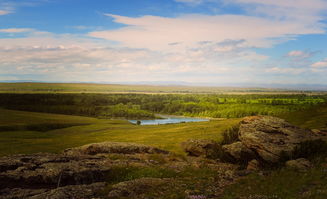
[
  {"x": 126, "y": 170},
  {"x": 269, "y": 139},
  {"x": 87, "y": 171}
]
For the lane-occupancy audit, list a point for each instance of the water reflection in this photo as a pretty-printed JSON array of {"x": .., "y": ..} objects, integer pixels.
[{"x": 168, "y": 120}]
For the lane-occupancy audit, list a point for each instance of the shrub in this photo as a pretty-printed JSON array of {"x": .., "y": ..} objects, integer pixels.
[
  {"x": 310, "y": 149},
  {"x": 230, "y": 135}
]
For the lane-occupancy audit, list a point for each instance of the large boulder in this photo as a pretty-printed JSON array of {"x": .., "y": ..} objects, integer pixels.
[
  {"x": 51, "y": 170},
  {"x": 201, "y": 148},
  {"x": 76, "y": 173},
  {"x": 238, "y": 152},
  {"x": 113, "y": 147},
  {"x": 67, "y": 192},
  {"x": 271, "y": 138}
]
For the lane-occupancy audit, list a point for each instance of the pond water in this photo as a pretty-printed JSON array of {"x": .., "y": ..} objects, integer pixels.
[{"x": 169, "y": 120}]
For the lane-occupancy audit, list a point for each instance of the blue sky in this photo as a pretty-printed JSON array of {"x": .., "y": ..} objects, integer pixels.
[{"x": 218, "y": 42}]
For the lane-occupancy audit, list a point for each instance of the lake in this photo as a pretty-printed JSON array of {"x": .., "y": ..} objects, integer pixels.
[{"x": 169, "y": 120}]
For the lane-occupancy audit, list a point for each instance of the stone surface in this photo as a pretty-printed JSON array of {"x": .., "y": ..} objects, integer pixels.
[
  {"x": 82, "y": 173},
  {"x": 299, "y": 164},
  {"x": 67, "y": 192},
  {"x": 134, "y": 188},
  {"x": 76, "y": 170},
  {"x": 51, "y": 170},
  {"x": 238, "y": 152},
  {"x": 113, "y": 147},
  {"x": 253, "y": 165},
  {"x": 270, "y": 137},
  {"x": 73, "y": 191},
  {"x": 201, "y": 148}
]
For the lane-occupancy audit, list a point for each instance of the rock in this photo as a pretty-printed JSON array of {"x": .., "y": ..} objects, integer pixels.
[
  {"x": 90, "y": 191},
  {"x": 321, "y": 133},
  {"x": 271, "y": 137},
  {"x": 238, "y": 152},
  {"x": 253, "y": 165},
  {"x": 132, "y": 188},
  {"x": 51, "y": 170},
  {"x": 73, "y": 167},
  {"x": 18, "y": 193},
  {"x": 203, "y": 148},
  {"x": 113, "y": 147},
  {"x": 301, "y": 164},
  {"x": 74, "y": 191},
  {"x": 82, "y": 172}
]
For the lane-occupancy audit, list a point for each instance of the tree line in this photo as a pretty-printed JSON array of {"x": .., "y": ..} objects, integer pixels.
[{"x": 143, "y": 106}]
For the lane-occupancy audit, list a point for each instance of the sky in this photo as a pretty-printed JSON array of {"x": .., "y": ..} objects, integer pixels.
[{"x": 212, "y": 42}]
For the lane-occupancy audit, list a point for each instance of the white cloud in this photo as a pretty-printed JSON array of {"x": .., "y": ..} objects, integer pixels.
[
  {"x": 193, "y": 2},
  {"x": 300, "y": 55},
  {"x": 202, "y": 48},
  {"x": 68, "y": 57},
  {"x": 4, "y": 12},
  {"x": 280, "y": 70},
  {"x": 296, "y": 53},
  {"x": 157, "y": 33},
  {"x": 320, "y": 64},
  {"x": 16, "y": 30}
]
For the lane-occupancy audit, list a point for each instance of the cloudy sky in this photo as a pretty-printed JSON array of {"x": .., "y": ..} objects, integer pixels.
[{"x": 217, "y": 42}]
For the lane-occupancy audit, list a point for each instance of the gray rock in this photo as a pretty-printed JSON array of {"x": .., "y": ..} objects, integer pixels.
[
  {"x": 270, "y": 137},
  {"x": 73, "y": 192},
  {"x": 132, "y": 188},
  {"x": 253, "y": 165},
  {"x": 18, "y": 193},
  {"x": 77, "y": 173},
  {"x": 238, "y": 152},
  {"x": 51, "y": 170},
  {"x": 201, "y": 148},
  {"x": 113, "y": 147}
]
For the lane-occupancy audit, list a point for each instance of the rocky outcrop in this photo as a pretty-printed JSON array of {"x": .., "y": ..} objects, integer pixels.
[
  {"x": 201, "y": 148},
  {"x": 271, "y": 137},
  {"x": 67, "y": 192},
  {"x": 50, "y": 170},
  {"x": 84, "y": 172},
  {"x": 113, "y": 147},
  {"x": 238, "y": 152},
  {"x": 79, "y": 171},
  {"x": 253, "y": 165},
  {"x": 133, "y": 188}
]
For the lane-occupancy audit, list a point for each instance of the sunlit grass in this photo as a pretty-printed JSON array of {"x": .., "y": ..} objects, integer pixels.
[{"x": 92, "y": 130}]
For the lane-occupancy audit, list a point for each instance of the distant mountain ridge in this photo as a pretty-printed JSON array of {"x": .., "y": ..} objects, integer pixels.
[{"x": 305, "y": 87}]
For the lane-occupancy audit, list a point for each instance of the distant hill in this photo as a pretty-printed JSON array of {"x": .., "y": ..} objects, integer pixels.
[
  {"x": 181, "y": 84},
  {"x": 26, "y": 87}
]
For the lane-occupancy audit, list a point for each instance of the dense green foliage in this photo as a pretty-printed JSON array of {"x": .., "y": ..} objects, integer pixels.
[{"x": 145, "y": 105}]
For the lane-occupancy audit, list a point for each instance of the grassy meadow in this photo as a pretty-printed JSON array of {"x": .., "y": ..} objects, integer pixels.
[
  {"x": 83, "y": 130},
  {"x": 37, "y": 117},
  {"x": 117, "y": 88}
]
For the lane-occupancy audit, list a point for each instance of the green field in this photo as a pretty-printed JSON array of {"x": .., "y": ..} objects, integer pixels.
[
  {"x": 36, "y": 117},
  {"x": 30, "y": 132},
  {"x": 89, "y": 130},
  {"x": 117, "y": 88}
]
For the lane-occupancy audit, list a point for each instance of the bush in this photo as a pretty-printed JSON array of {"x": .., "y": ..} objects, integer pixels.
[
  {"x": 230, "y": 135},
  {"x": 310, "y": 149}
]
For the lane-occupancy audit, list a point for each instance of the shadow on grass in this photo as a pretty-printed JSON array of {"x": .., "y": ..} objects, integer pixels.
[{"x": 44, "y": 127}]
